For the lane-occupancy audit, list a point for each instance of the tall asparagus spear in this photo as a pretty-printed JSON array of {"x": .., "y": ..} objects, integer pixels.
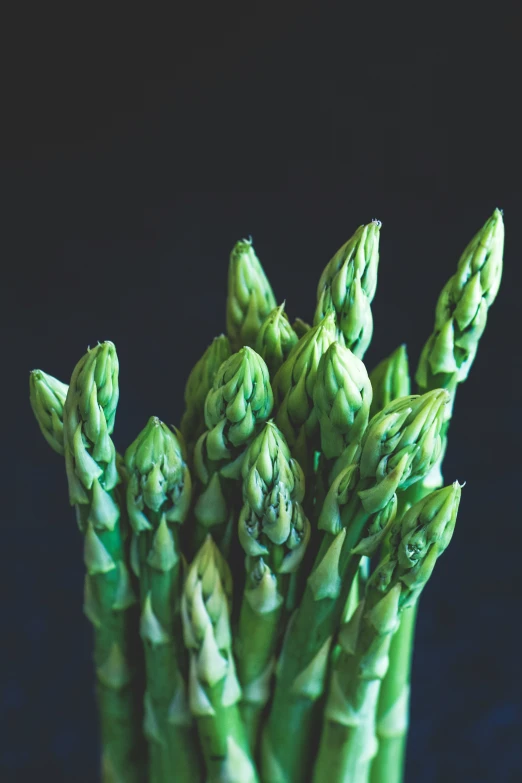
[
  {"x": 92, "y": 472},
  {"x": 293, "y": 391},
  {"x": 275, "y": 339},
  {"x": 348, "y": 740},
  {"x": 158, "y": 499},
  {"x": 348, "y": 284},
  {"x": 214, "y": 691},
  {"x": 250, "y": 296},
  {"x": 198, "y": 385},
  {"x": 390, "y": 380},
  {"x": 274, "y": 532},
  {"x": 399, "y": 447},
  {"x": 460, "y": 319},
  {"x": 236, "y": 407}
]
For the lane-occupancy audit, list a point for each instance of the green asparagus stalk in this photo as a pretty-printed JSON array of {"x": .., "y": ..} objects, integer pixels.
[
  {"x": 399, "y": 447},
  {"x": 293, "y": 387},
  {"x": 250, "y": 296},
  {"x": 348, "y": 284},
  {"x": 158, "y": 499},
  {"x": 236, "y": 407},
  {"x": 446, "y": 359},
  {"x": 348, "y": 741},
  {"x": 391, "y": 380},
  {"x": 274, "y": 533},
  {"x": 214, "y": 691},
  {"x": 275, "y": 339},
  {"x": 93, "y": 477},
  {"x": 47, "y": 397},
  {"x": 198, "y": 385}
]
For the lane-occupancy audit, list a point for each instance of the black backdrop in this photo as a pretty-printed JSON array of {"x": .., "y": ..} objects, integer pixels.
[{"x": 135, "y": 152}]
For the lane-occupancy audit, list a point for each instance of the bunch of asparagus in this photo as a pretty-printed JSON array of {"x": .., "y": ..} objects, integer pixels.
[{"x": 253, "y": 577}]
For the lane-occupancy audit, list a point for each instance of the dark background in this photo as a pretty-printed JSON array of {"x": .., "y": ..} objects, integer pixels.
[{"x": 135, "y": 151}]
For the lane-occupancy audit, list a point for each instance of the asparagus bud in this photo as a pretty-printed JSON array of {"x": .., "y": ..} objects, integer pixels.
[
  {"x": 275, "y": 339},
  {"x": 390, "y": 380},
  {"x": 47, "y": 396},
  {"x": 348, "y": 284},
  {"x": 198, "y": 385},
  {"x": 342, "y": 398},
  {"x": 293, "y": 389},
  {"x": 250, "y": 296}
]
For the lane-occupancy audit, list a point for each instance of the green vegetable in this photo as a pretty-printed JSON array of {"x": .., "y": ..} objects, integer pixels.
[
  {"x": 236, "y": 407},
  {"x": 214, "y": 690},
  {"x": 92, "y": 472},
  {"x": 275, "y": 339},
  {"x": 158, "y": 499},
  {"x": 399, "y": 447},
  {"x": 47, "y": 396},
  {"x": 250, "y": 297},
  {"x": 460, "y": 319},
  {"x": 348, "y": 285},
  {"x": 391, "y": 380},
  {"x": 198, "y": 385},
  {"x": 293, "y": 387},
  {"x": 348, "y": 741},
  {"x": 274, "y": 533}
]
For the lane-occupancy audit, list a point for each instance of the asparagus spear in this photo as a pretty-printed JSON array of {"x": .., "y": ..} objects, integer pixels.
[
  {"x": 275, "y": 339},
  {"x": 460, "y": 319},
  {"x": 214, "y": 690},
  {"x": 293, "y": 386},
  {"x": 158, "y": 499},
  {"x": 250, "y": 296},
  {"x": 198, "y": 385},
  {"x": 93, "y": 477},
  {"x": 390, "y": 380},
  {"x": 274, "y": 533},
  {"x": 348, "y": 284},
  {"x": 400, "y": 445},
  {"x": 348, "y": 741},
  {"x": 237, "y": 405},
  {"x": 47, "y": 396}
]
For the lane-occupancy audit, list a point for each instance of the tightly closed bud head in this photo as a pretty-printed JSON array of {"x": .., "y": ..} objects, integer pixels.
[
  {"x": 89, "y": 413},
  {"x": 159, "y": 480},
  {"x": 272, "y": 522},
  {"x": 250, "y": 296},
  {"x": 295, "y": 380},
  {"x": 241, "y": 397},
  {"x": 407, "y": 433},
  {"x": 342, "y": 398},
  {"x": 390, "y": 380},
  {"x": 47, "y": 396},
  {"x": 462, "y": 308},
  {"x": 205, "y": 611},
  {"x": 275, "y": 339},
  {"x": 348, "y": 285},
  {"x": 268, "y": 459},
  {"x": 417, "y": 541},
  {"x": 199, "y": 384}
]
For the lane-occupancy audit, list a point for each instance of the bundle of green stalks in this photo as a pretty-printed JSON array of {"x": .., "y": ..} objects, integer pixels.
[{"x": 253, "y": 577}]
